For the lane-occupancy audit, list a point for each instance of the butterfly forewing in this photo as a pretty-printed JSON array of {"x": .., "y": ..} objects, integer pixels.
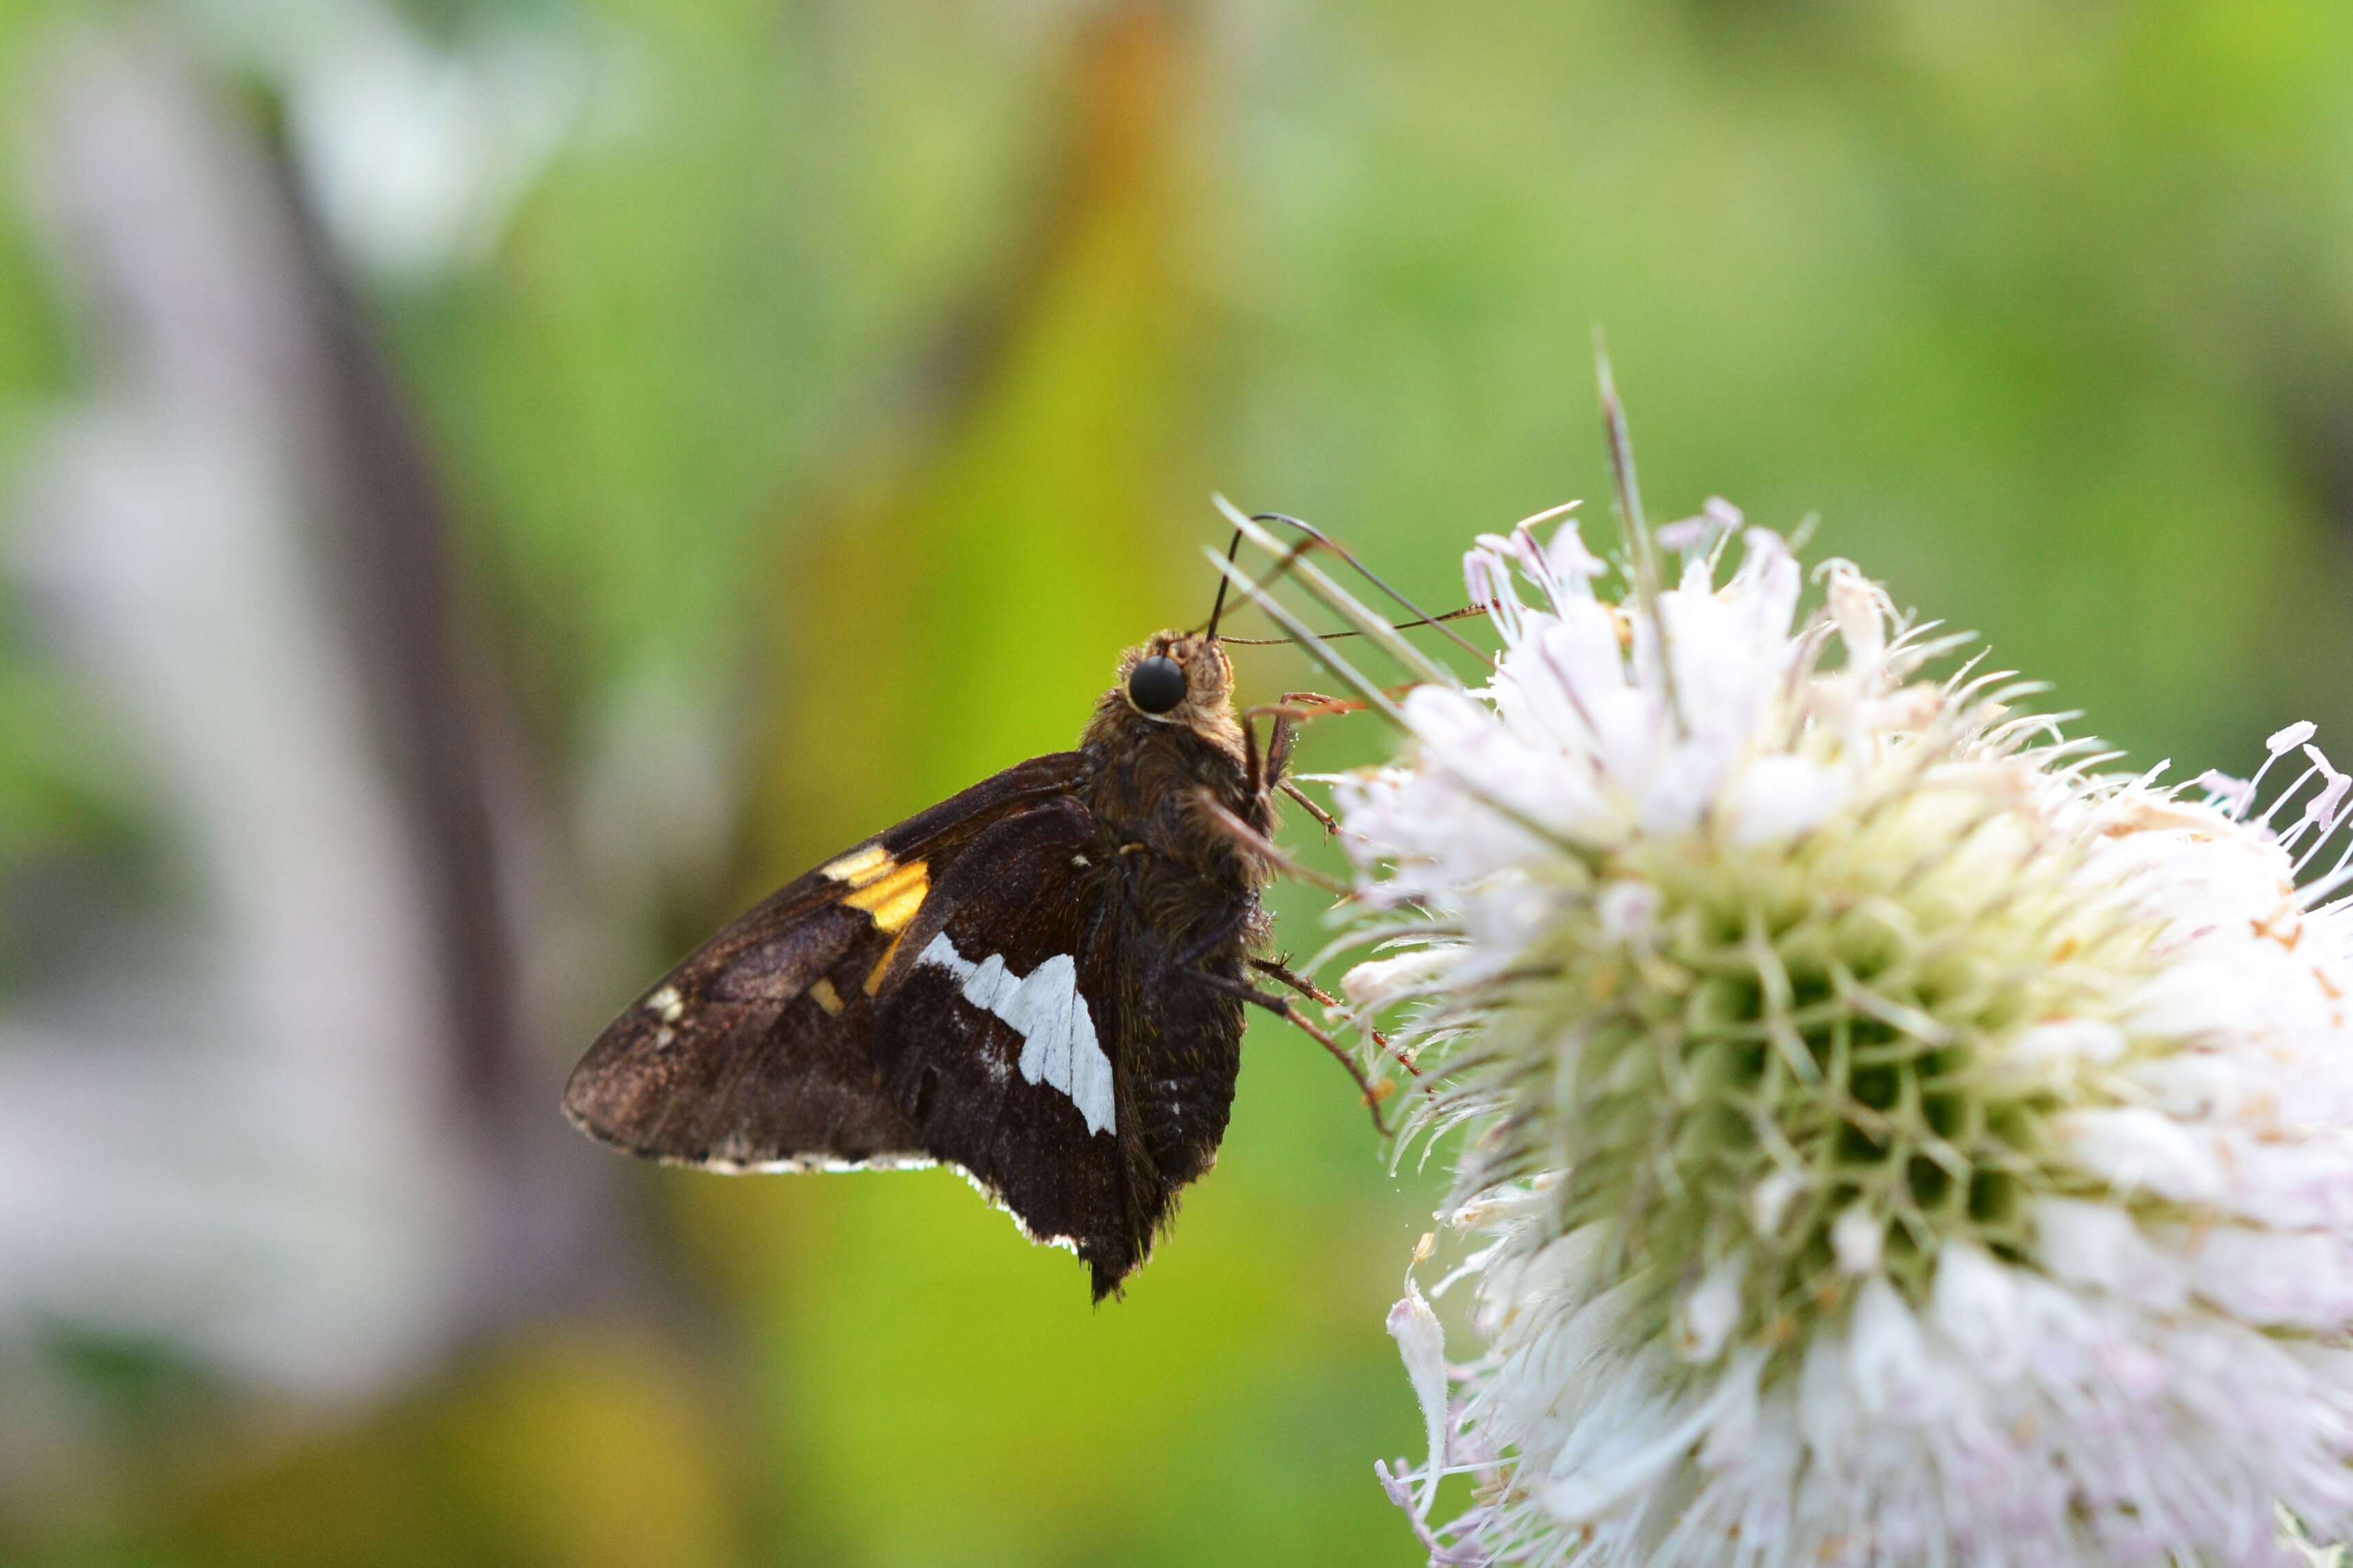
[{"x": 753, "y": 1053}]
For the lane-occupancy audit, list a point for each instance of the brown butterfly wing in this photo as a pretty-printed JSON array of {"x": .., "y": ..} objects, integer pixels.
[{"x": 753, "y": 1053}]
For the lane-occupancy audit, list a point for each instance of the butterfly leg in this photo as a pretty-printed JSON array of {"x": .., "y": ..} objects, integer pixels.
[
  {"x": 1278, "y": 747},
  {"x": 1315, "y": 705},
  {"x": 1295, "y": 708},
  {"x": 1274, "y": 969},
  {"x": 1278, "y": 768},
  {"x": 1283, "y": 1007},
  {"x": 1331, "y": 827},
  {"x": 1257, "y": 843},
  {"x": 1266, "y": 770}
]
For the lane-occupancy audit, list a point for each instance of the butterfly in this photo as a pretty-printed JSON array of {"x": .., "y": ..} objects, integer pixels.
[{"x": 1040, "y": 981}]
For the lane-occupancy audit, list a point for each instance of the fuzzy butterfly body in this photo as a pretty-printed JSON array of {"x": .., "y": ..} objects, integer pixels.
[{"x": 1040, "y": 981}]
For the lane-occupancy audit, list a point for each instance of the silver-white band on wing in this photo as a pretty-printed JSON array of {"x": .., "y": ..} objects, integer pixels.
[{"x": 1044, "y": 1007}]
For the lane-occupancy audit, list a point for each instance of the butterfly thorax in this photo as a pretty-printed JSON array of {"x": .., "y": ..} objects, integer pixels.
[{"x": 1157, "y": 783}]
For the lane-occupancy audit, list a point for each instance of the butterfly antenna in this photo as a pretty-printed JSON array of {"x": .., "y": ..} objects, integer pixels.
[
  {"x": 1316, "y": 536},
  {"x": 1467, "y": 613},
  {"x": 1217, "y": 610}
]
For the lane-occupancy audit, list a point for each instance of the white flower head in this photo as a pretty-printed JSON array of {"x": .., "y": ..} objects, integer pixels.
[{"x": 1887, "y": 1140}]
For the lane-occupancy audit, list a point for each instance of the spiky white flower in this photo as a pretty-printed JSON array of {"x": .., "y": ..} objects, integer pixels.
[{"x": 1887, "y": 1140}]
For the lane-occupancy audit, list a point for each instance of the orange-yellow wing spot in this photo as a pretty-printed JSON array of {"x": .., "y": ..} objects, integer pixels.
[
  {"x": 892, "y": 898},
  {"x": 826, "y": 995},
  {"x": 883, "y": 964}
]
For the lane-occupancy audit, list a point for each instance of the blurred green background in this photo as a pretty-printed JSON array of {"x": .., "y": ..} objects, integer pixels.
[{"x": 490, "y": 486}]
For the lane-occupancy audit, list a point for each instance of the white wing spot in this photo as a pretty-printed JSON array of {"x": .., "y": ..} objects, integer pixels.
[
  {"x": 667, "y": 1002},
  {"x": 1044, "y": 1007}
]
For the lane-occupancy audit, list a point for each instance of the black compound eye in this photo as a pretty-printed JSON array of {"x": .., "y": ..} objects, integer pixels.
[{"x": 1157, "y": 684}]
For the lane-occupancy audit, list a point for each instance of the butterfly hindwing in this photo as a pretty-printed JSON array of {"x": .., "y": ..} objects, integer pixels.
[
  {"x": 1002, "y": 1037},
  {"x": 754, "y": 1052}
]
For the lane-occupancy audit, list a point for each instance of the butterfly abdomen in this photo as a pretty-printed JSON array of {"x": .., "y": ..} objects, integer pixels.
[{"x": 1183, "y": 1076}]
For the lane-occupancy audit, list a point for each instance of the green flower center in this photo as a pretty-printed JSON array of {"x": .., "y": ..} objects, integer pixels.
[{"x": 1803, "y": 1050}]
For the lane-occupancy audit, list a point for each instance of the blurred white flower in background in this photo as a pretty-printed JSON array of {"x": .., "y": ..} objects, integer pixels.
[
  {"x": 1885, "y": 1138},
  {"x": 282, "y": 1122},
  {"x": 415, "y": 149},
  {"x": 231, "y": 1133}
]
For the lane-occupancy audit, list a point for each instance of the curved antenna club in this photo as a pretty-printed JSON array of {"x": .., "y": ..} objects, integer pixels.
[
  {"x": 1424, "y": 618},
  {"x": 1467, "y": 613},
  {"x": 1313, "y": 646},
  {"x": 1639, "y": 544},
  {"x": 1375, "y": 698},
  {"x": 1310, "y": 576}
]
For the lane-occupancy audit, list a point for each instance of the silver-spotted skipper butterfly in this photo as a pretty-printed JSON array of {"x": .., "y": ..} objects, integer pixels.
[{"x": 1040, "y": 981}]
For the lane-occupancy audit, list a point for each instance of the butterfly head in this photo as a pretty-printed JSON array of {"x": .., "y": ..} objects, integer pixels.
[{"x": 1180, "y": 677}]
